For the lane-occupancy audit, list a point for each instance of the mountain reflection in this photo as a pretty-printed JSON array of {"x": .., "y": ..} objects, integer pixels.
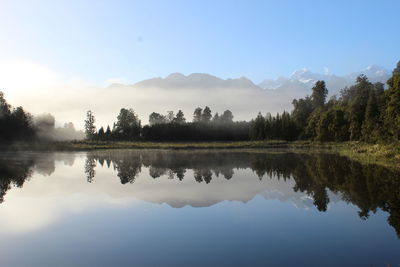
[{"x": 317, "y": 176}]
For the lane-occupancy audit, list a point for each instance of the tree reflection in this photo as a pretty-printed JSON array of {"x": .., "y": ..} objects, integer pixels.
[
  {"x": 90, "y": 164},
  {"x": 16, "y": 168},
  {"x": 13, "y": 173},
  {"x": 127, "y": 165},
  {"x": 369, "y": 187}
]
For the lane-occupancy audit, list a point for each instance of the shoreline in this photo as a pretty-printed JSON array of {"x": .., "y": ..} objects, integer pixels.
[{"x": 387, "y": 155}]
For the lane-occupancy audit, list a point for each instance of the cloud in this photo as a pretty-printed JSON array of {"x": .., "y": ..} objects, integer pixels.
[
  {"x": 25, "y": 76},
  {"x": 39, "y": 89}
]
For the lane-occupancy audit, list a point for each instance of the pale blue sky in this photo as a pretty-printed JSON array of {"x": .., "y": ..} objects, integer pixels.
[{"x": 135, "y": 40}]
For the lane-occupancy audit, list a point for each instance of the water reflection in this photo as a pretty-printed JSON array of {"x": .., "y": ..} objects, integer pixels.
[{"x": 209, "y": 177}]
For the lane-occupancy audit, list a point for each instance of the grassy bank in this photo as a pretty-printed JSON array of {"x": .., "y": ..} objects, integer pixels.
[
  {"x": 383, "y": 154},
  {"x": 387, "y": 155},
  {"x": 276, "y": 144}
]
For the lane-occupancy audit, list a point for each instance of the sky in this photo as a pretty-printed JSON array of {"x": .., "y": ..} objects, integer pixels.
[
  {"x": 59, "y": 57},
  {"x": 128, "y": 41}
]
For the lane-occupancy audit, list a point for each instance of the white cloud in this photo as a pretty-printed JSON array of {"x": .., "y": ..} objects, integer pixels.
[{"x": 25, "y": 76}]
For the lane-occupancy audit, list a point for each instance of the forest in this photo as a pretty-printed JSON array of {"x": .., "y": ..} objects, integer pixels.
[
  {"x": 365, "y": 111},
  {"x": 362, "y": 112}
]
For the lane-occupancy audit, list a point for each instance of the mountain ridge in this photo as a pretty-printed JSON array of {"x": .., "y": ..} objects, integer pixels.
[
  {"x": 196, "y": 80},
  {"x": 299, "y": 83},
  {"x": 304, "y": 79}
]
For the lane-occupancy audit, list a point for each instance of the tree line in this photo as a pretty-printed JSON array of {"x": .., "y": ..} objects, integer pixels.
[
  {"x": 170, "y": 127},
  {"x": 363, "y": 112}
]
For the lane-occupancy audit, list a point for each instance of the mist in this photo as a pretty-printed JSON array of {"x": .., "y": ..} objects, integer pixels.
[
  {"x": 68, "y": 98},
  {"x": 47, "y": 131},
  {"x": 71, "y": 104}
]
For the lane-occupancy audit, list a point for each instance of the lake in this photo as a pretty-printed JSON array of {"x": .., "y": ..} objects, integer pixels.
[{"x": 196, "y": 208}]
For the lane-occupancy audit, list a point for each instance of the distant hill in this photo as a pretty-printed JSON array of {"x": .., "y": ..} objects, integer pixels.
[
  {"x": 243, "y": 97},
  {"x": 196, "y": 80},
  {"x": 297, "y": 85}
]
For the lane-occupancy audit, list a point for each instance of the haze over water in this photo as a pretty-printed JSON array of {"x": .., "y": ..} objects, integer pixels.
[{"x": 196, "y": 208}]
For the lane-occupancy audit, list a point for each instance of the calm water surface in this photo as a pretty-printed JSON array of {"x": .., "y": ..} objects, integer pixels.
[{"x": 196, "y": 208}]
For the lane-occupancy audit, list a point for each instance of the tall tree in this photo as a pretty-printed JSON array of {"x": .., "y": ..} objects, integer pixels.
[
  {"x": 108, "y": 133},
  {"x": 180, "y": 117},
  {"x": 216, "y": 118},
  {"x": 371, "y": 123},
  {"x": 206, "y": 115},
  {"x": 392, "y": 110},
  {"x": 302, "y": 109},
  {"x": 128, "y": 125},
  {"x": 358, "y": 99},
  {"x": 319, "y": 93},
  {"x": 227, "y": 116},
  {"x": 257, "y": 128},
  {"x": 5, "y": 108},
  {"x": 90, "y": 128},
  {"x": 197, "y": 115},
  {"x": 157, "y": 118},
  {"x": 170, "y": 116},
  {"x": 21, "y": 124}
]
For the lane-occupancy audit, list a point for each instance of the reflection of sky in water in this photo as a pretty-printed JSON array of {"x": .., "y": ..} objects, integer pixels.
[{"x": 59, "y": 219}]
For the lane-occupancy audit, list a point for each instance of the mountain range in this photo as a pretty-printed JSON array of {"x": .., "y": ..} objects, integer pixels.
[
  {"x": 244, "y": 97},
  {"x": 303, "y": 80},
  {"x": 298, "y": 84}
]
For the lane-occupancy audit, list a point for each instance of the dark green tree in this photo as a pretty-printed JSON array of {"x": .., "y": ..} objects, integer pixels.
[
  {"x": 302, "y": 109},
  {"x": 108, "y": 134},
  {"x": 371, "y": 124},
  {"x": 128, "y": 125},
  {"x": 319, "y": 93},
  {"x": 101, "y": 134},
  {"x": 357, "y": 105},
  {"x": 257, "y": 128},
  {"x": 392, "y": 110}
]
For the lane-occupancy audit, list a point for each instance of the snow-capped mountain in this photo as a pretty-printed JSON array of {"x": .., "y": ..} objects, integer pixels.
[
  {"x": 244, "y": 98},
  {"x": 298, "y": 84},
  {"x": 301, "y": 81}
]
